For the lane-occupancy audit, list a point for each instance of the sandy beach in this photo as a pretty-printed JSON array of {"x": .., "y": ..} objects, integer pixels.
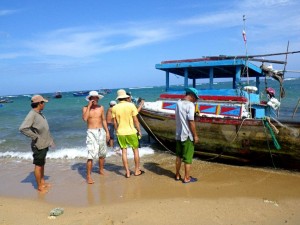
[{"x": 224, "y": 194}]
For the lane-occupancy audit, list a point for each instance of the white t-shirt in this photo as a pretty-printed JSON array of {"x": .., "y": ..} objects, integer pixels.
[{"x": 185, "y": 111}]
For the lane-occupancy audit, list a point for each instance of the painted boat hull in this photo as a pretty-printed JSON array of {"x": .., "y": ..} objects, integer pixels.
[{"x": 238, "y": 141}]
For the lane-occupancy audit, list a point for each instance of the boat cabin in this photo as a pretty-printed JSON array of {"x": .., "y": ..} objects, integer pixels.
[{"x": 235, "y": 102}]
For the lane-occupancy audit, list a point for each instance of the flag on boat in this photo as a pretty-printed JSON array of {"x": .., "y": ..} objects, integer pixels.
[{"x": 244, "y": 36}]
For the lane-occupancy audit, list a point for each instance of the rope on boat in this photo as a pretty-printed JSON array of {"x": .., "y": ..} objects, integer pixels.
[
  {"x": 271, "y": 155},
  {"x": 296, "y": 108},
  {"x": 276, "y": 144},
  {"x": 238, "y": 130},
  {"x": 156, "y": 138},
  {"x": 153, "y": 135}
]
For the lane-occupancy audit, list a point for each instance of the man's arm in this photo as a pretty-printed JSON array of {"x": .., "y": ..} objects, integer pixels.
[
  {"x": 137, "y": 125},
  {"x": 86, "y": 111},
  {"x": 140, "y": 105},
  {"x": 26, "y": 129},
  {"x": 104, "y": 123},
  {"x": 192, "y": 126}
]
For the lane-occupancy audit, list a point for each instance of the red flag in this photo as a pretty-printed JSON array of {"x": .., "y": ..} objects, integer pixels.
[{"x": 244, "y": 36}]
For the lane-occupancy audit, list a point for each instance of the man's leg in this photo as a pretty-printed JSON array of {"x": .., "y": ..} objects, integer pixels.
[
  {"x": 89, "y": 165},
  {"x": 187, "y": 169},
  {"x": 177, "y": 166},
  {"x": 38, "y": 177},
  {"x": 101, "y": 165},
  {"x": 125, "y": 161},
  {"x": 136, "y": 161},
  {"x": 43, "y": 182}
]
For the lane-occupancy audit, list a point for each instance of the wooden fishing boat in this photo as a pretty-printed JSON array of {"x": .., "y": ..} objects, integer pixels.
[{"x": 234, "y": 125}]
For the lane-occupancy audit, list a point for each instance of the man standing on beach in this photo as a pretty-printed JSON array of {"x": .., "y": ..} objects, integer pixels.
[
  {"x": 110, "y": 124},
  {"x": 186, "y": 135},
  {"x": 36, "y": 127},
  {"x": 128, "y": 129},
  {"x": 97, "y": 133}
]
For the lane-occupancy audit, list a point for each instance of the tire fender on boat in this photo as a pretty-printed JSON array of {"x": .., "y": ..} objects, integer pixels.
[{"x": 250, "y": 89}]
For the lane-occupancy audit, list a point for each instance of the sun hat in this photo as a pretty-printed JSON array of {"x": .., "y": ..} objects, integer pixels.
[
  {"x": 192, "y": 91},
  {"x": 112, "y": 103},
  {"x": 122, "y": 94},
  {"x": 93, "y": 94},
  {"x": 271, "y": 90},
  {"x": 38, "y": 98}
]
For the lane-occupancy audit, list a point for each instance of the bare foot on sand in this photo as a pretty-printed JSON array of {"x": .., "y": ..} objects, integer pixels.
[
  {"x": 43, "y": 190},
  {"x": 89, "y": 180},
  {"x": 101, "y": 172},
  {"x": 46, "y": 185}
]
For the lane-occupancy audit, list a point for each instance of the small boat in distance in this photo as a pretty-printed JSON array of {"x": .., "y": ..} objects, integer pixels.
[
  {"x": 104, "y": 91},
  {"x": 80, "y": 93},
  {"x": 57, "y": 95},
  {"x": 6, "y": 100}
]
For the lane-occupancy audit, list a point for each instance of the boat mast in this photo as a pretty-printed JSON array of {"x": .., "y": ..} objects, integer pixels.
[{"x": 246, "y": 47}]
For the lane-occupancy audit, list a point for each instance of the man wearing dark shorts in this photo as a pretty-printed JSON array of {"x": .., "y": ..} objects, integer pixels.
[
  {"x": 186, "y": 135},
  {"x": 35, "y": 126},
  {"x": 110, "y": 124}
]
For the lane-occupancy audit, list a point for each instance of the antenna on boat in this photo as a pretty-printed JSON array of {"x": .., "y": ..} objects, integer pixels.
[
  {"x": 282, "y": 92},
  {"x": 246, "y": 47}
]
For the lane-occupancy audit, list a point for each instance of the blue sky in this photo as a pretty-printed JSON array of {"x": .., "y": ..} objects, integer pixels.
[{"x": 51, "y": 45}]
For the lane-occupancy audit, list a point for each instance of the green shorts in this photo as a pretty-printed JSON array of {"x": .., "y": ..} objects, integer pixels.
[
  {"x": 128, "y": 141},
  {"x": 185, "y": 150},
  {"x": 39, "y": 156}
]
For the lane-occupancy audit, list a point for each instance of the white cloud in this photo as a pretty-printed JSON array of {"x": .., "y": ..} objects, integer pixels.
[
  {"x": 78, "y": 42},
  {"x": 6, "y": 12}
]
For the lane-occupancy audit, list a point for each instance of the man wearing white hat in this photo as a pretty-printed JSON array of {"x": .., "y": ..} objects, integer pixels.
[
  {"x": 127, "y": 128},
  {"x": 36, "y": 127},
  {"x": 97, "y": 133}
]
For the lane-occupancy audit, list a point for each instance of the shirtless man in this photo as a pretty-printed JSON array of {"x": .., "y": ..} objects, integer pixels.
[{"x": 97, "y": 133}]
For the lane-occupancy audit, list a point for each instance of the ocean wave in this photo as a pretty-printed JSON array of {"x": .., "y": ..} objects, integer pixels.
[
  {"x": 72, "y": 153},
  {"x": 294, "y": 78}
]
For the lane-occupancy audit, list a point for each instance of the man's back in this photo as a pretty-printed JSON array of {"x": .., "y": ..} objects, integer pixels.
[
  {"x": 184, "y": 113},
  {"x": 124, "y": 113}
]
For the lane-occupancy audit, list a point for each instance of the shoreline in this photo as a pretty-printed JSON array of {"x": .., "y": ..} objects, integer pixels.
[{"x": 224, "y": 194}]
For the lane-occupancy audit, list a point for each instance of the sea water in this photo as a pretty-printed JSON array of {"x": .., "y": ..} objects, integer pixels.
[{"x": 69, "y": 130}]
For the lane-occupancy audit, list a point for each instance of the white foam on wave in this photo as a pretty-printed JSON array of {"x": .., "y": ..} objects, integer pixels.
[
  {"x": 2, "y": 141},
  {"x": 290, "y": 78},
  {"x": 135, "y": 88},
  {"x": 73, "y": 153}
]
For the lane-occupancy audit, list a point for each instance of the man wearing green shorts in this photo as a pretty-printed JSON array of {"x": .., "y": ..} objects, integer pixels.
[
  {"x": 127, "y": 128},
  {"x": 186, "y": 135}
]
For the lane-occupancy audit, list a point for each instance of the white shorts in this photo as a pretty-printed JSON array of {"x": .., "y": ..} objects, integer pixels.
[{"x": 96, "y": 143}]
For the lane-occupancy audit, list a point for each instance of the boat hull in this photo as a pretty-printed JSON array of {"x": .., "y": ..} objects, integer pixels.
[{"x": 242, "y": 141}]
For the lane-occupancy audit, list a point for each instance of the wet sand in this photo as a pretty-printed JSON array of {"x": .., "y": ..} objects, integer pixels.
[{"x": 224, "y": 194}]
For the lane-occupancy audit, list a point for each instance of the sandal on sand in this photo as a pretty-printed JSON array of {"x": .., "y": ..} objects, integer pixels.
[
  {"x": 192, "y": 179},
  {"x": 177, "y": 178},
  {"x": 141, "y": 172}
]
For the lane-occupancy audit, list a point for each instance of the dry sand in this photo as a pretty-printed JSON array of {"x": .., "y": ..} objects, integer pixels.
[{"x": 223, "y": 195}]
